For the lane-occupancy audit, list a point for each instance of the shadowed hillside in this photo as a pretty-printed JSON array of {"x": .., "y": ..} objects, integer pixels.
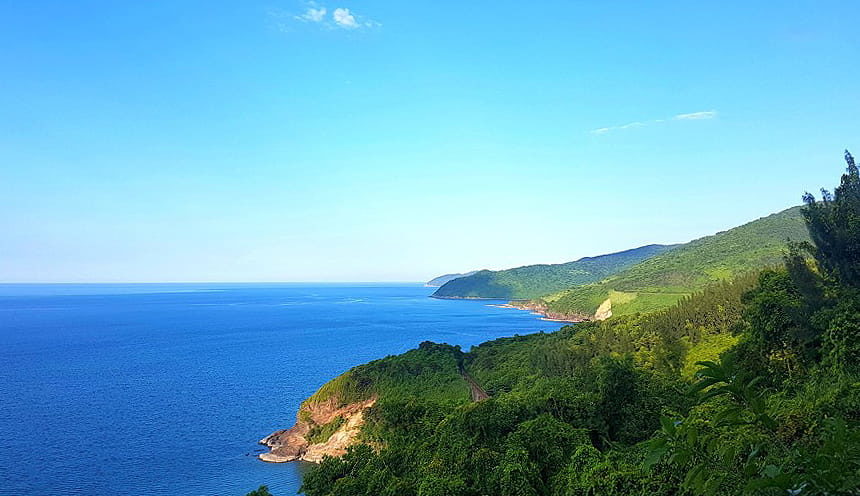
[
  {"x": 533, "y": 281},
  {"x": 441, "y": 280}
]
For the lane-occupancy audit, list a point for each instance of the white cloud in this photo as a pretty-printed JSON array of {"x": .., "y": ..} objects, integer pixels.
[
  {"x": 604, "y": 130},
  {"x": 312, "y": 14},
  {"x": 318, "y": 14},
  {"x": 693, "y": 116},
  {"x": 343, "y": 18}
]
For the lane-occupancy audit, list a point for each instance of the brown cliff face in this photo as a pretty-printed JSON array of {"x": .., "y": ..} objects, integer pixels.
[
  {"x": 293, "y": 444},
  {"x": 540, "y": 307}
]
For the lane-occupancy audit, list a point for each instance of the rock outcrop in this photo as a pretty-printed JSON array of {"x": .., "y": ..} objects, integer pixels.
[
  {"x": 294, "y": 444},
  {"x": 541, "y": 308},
  {"x": 604, "y": 311}
]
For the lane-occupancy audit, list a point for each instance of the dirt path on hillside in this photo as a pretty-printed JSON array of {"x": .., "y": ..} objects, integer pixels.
[{"x": 478, "y": 392}]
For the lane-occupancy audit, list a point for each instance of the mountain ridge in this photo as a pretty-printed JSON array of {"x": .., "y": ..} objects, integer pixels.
[
  {"x": 444, "y": 278},
  {"x": 662, "y": 280},
  {"x": 532, "y": 281}
]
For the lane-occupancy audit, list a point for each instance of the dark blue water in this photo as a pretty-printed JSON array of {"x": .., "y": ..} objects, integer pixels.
[{"x": 165, "y": 389}]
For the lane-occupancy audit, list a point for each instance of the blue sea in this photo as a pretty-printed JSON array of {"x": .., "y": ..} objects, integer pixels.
[{"x": 165, "y": 389}]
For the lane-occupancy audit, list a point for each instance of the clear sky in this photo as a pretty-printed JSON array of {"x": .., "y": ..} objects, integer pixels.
[{"x": 374, "y": 140}]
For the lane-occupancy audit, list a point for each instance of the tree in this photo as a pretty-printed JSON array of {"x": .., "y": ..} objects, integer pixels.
[
  {"x": 260, "y": 491},
  {"x": 834, "y": 226},
  {"x": 776, "y": 318}
]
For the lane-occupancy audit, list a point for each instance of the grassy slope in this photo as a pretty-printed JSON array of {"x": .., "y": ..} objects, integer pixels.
[
  {"x": 662, "y": 280},
  {"x": 533, "y": 281},
  {"x": 703, "y": 321}
]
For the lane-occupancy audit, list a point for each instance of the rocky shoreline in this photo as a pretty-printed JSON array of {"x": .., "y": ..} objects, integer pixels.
[
  {"x": 542, "y": 309},
  {"x": 293, "y": 444},
  {"x": 537, "y": 307},
  {"x": 468, "y": 298}
]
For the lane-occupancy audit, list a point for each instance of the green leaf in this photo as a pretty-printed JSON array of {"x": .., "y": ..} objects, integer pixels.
[
  {"x": 654, "y": 456},
  {"x": 668, "y": 425},
  {"x": 692, "y": 436},
  {"x": 695, "y": 476},
  {"x": 771, "y": 471}
]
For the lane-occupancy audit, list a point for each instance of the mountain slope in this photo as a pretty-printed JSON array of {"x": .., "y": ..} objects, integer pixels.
[
  {"x": 441, "y": 280},
  {"x": 664, "y": 279},
  {"x": 748, "y": 386},
  {"x": 533, "y": 281}
]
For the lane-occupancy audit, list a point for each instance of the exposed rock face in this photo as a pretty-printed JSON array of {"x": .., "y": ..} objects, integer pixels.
[
  {"x": 540, "y": 307},
  {"x": 604, "y": 311},
  {"x": 292, "y": 444}
]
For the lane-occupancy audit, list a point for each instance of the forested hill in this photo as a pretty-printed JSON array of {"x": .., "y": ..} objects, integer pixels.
[
  {"x": 533, "y": 281},
  {"x": 441, "y": 280},
  {"x": 662, "y": 280}
]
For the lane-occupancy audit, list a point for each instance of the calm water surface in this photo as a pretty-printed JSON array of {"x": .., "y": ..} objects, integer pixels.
[{"x": 165, "y": 389}]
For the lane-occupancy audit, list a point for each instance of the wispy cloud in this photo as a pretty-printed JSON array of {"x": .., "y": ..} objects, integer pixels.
[
  {"x": 693, "y": 116},
  {"x": 312, "y": 14},
  {"x": 315, "y": 13}
]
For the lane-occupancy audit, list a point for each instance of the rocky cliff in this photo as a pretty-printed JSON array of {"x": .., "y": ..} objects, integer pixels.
[
  {"x": 323, "y": 428},
  {"x": 604, "y": 311},
  {"x": 540, "y": 307}
]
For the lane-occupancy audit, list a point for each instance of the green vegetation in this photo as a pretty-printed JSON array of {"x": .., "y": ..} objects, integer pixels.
[
  {"x": 748, "y": 386},
  {"x": 321, "y": 433},
  {"x": 432, "y": 372},
  {"x": 592, "y": 394},
  {"x": 664, "y": 279},
  {"x": 534, "y": 281},
  {"x": 260, "y": 491}
]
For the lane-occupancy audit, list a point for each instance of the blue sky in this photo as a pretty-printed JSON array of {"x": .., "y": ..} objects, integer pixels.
[{"x": 374, "y": 140}]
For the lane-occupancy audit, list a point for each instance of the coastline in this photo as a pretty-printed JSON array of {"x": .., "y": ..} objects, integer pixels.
[
  {"x": 297, "y": 443},
  {"x": 564, "y": 321},
  {"x": 535, "y": 307},
  {"x": 540, "y": 308},
  {"x": 473, "y": 298}
]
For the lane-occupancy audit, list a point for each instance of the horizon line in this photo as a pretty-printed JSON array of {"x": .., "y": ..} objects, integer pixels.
[{"x": 209, "y": 282}]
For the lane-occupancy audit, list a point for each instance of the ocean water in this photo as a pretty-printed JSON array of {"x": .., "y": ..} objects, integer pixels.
[{"x": 165, "y": 389}]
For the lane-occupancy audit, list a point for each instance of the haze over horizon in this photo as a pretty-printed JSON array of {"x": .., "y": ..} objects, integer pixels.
[{"x": 381, "y": 141}]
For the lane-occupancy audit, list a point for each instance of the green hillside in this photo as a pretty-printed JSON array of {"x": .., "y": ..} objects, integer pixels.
[
  {"x": 439, "y": 281},
  {"x": 750, "y": 386},
  {"x": 533, "y": 281},
  {"x": 662, "y": 280},
  {"x": 600, "y": 407},
  {"x": 603, "y": 405},
  {"x": 430, "y": 371}
]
